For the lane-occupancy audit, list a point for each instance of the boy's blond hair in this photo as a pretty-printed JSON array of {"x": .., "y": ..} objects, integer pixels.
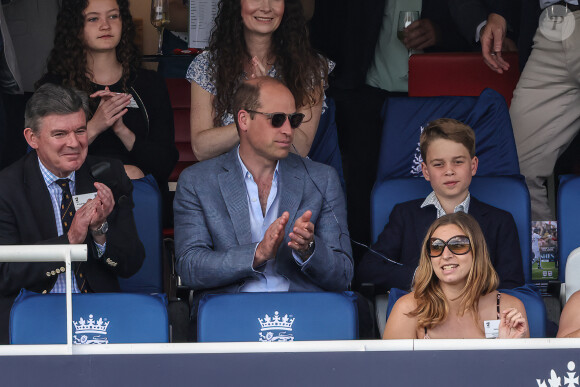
[{"x": 447, "y": 129}]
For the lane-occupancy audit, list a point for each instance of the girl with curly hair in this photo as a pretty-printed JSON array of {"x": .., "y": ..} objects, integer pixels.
[
  {"x": 132, "y": 118},
  {"x": 253, "y": 38},
  {"x": 455, "y": 289}
]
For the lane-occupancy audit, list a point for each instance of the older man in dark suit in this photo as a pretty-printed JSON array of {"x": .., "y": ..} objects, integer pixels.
[{"x": 36, "y": 203}]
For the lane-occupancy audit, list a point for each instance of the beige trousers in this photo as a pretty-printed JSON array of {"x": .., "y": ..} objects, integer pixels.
[{"x": 545, "y": 111}]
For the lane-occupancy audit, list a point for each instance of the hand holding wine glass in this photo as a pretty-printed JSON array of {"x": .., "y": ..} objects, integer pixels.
[
  {"x": 159, "y": 19},
  {"x": 406, "y": 18}
]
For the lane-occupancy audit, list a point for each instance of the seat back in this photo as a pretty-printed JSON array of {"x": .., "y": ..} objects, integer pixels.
[
  {"x": 573, "y": 273},
  {"x": 404, "y": 118},
  {"x": 148, "y": 218},
  {"x": 460, "y": 74},
  {"x": 530, "y": 296},
  {"x": 324, "y": 147},
  {"x": 568, "y": 222},
  {"x": 277, "y": 316},
  {"x": 387, "y": 193},
  {"x": 508, "y": 193},
  {"x": 180, "y": 96},
  {"x": 98, "y": 318}
]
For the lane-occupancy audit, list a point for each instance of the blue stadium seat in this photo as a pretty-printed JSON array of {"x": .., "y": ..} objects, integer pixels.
[
  {"x": 487, "y": 114},
  {"x": 387, "y": 193},
  {"x": 510, "y": 194},
  {"x": 98, "y": 318},
  {"x": 535, "y": 308},
  {"x": 568, "y": 221},
  {"x": 148, "y": 218},
  {"x": 277, "y": 316},
  {"x": 324, "y": 147}
]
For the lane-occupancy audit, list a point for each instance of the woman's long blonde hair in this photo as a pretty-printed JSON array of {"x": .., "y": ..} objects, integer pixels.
[{"x": 432, "y": 305}]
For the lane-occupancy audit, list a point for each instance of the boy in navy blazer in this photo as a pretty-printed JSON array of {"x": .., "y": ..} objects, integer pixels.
[{"x": 449, "y": 162}]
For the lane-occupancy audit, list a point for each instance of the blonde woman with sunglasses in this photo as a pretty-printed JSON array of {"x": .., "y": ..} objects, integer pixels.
[{"x": 455, "y": 290}]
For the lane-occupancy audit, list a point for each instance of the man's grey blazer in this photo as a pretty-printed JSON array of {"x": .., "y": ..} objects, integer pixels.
[{"x": 212, "y": 227}]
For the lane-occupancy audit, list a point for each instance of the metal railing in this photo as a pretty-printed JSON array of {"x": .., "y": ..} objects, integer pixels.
[{"x": 50, "y": 253}]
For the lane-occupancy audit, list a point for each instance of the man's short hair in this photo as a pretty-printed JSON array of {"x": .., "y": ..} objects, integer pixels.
[
  {"x": 447, "y": 129},
  {"x": 247, "y": 95},
  {"x": 53, "y": 99}
]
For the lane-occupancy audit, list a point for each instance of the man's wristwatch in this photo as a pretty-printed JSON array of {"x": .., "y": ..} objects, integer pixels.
[{"x": 102, "y": 230}]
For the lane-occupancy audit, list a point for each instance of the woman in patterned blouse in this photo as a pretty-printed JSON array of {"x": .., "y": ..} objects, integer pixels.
[{"x": 254, "y": 38}]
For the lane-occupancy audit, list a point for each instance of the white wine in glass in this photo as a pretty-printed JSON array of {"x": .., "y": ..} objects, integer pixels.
[
  {"x": 159, "y": 19},
  {"x": 406, "y": 18}
]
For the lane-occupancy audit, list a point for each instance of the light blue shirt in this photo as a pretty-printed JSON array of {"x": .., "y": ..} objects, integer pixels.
[
  {"x": 56, "y": 197},
  {"x": 268, "y": 280}
]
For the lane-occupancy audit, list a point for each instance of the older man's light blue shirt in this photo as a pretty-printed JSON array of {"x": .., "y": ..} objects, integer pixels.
[{"x": 56, "y": 197}]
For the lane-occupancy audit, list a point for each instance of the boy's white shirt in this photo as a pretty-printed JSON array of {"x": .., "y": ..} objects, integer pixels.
[{"x": 432, "y": 199}]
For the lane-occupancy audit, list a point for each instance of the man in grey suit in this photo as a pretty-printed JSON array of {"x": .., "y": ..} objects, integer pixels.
[{"x": 260, "y": 218}]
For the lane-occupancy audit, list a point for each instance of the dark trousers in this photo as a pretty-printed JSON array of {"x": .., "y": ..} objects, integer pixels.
[{"x": 12, "y": 143}]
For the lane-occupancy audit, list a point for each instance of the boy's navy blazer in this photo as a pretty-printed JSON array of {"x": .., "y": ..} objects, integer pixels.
[{"x": 402, "y": 238}]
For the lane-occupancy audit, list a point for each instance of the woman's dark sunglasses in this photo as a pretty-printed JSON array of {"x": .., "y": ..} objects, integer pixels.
[
  {"x": 458, "y": 245},
  {"x": 278, "y": 119}
]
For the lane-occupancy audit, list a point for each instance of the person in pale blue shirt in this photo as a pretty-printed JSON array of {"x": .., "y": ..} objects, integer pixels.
[
  {"x": 260, "y": 218},
  {"x": 269, "y": 279}
]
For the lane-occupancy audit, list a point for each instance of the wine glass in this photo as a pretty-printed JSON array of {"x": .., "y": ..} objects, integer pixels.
[
  {"x": 159, "y": 19},
  {"x": 405, "y": 20}
]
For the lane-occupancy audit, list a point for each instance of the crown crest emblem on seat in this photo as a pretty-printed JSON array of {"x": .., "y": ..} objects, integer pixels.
[
  {"x": 90, "y": 331},
  {"x": 276, "y": 323}
]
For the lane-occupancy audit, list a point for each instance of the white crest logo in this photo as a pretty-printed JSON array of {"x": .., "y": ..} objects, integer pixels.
[
  {"x": 416, "y": 169},
  {"x": 91, "y": 331},
  {"x": 276, "y": 328},
  {"x": 556, "y": 381},
  {"x": 557, "y": 23}
]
